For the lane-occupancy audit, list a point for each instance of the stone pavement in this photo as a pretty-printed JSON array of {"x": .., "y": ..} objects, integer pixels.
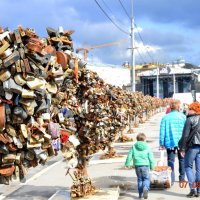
[
  {"x": 112, "y": 174},
  {"x": 41, "y": 185}
]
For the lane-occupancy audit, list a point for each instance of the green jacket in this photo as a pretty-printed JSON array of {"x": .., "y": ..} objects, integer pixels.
[{"x": 141, "y": 155}]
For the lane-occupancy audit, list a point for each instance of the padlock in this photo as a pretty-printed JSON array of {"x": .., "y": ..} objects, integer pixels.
[
  {"x": 17, "y": 36},
  {"x": 57, "y": 71},
  {"x": 29, "y": 110},
  {"x": 5, "y": 35},
  {"x": 6, "y": 53},
  {"x": 18, "y": 66},
  {"x": 23, "y": 130},
  {"x": 51, "y": 87},
  {"x": 61, "y": 118},
  {"x": 20, "y": 112},
  {"x": 51, "y": 32},
  {"x": 4, "y": 47},
  {"x": 26, "y": 65},
  {"x": 28, "y": 94},
  {"x": 42, "y": 106},
  {"x": 10, "y": 130},
  {"x": 46, "y": 116},
  {"x": 34, "y": 47},
  {"x": 11, "y": 59},
  {"x": 28, "y": 102},
  {"x": 19, "y": 79},
  {"x": 21, "y": 53},
  {"x": 62, "y": 59},
  {"x": 4, "y": 75},
  {"x": 59, "y": 79},
  {"x": 35, "y": 69},
  {"x": 17, "y": 142},
  {"x": 29, "y": 155},
  {"x": 31, "y": 146},
  {"x": 10, "y": 86},
  {"x": 21, "y": 31},
  {"x": 34, "y": 84}
]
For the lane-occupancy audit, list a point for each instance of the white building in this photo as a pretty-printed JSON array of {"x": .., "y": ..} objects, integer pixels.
[{"x": 112, "y": 74}]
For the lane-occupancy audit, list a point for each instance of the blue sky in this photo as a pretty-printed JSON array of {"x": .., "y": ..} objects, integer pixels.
[{"x": 170, "y": 29}]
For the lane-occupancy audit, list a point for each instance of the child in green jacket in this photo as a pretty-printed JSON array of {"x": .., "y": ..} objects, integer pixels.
[{"x": 143, "y": 160}]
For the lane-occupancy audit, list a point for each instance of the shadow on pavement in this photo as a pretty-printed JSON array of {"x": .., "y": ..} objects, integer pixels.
[
  {"x": 31, "y": 192},
  {"x": 167, "y": 193},
  {"x": 124, "y": 183}
]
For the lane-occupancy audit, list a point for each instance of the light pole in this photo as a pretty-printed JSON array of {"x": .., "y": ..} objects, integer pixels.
[
  {"x": 132, "y": 52},
  {"x": 157, "y": 81},
  {"x": 174, "y": 78}
]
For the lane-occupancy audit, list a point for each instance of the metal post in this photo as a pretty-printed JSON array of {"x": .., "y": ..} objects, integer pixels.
[
  {"x": 132, "y": 53},
  {"x": 157, "y": 82},
  {"x": 174, "y": 82}
]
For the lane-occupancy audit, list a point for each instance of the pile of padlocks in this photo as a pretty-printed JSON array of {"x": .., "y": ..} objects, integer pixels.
[
  {"x": 49, "y": 100},
  {"x": 32, "y": 73}
]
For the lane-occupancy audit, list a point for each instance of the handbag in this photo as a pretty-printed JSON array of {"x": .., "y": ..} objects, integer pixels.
[{"x": 188, "y": 142}]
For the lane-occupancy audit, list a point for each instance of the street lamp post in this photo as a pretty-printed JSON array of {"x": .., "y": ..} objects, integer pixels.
[
  {"x": 174, "y": 82},
  {"x": 132, "y": 53},
  {"x": 157, "y": 82}
]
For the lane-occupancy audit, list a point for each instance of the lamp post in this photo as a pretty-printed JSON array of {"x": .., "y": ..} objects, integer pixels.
[
  {"x": 132, "y": 51},
  {"x": 157, "y": 81}
]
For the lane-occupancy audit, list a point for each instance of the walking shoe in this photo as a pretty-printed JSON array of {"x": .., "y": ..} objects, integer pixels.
[
  {"x": 192, "y": 193},
  {"x": 140, "y": 196},
  {"x": 197, "y": 194},
  {"x": 145, "y": 193}
]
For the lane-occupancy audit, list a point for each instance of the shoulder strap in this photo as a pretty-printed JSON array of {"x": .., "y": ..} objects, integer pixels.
[{"x": 193, "y": 132}]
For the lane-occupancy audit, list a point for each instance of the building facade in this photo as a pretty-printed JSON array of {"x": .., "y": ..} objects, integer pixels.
[{"x": 171, "y": 79}]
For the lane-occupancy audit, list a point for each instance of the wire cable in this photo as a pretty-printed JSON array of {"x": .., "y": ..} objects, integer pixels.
[
  {"x": 140, "y": 55},
  {"x": 124, "y": 9},
  {"x": 114, "y": 17},
  {"x": 143, "y": 43},
  {"x": 142, "y": 52},
  {"x": 116, "y": 25}
]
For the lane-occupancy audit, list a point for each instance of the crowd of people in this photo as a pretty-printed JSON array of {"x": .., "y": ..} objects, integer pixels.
[{"x": 179, "y": 134}]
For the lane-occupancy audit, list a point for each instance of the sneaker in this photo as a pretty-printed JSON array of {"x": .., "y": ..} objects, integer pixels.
[
  {"x": 145, "y": 191},
  {"x": 192, "y": 193}
]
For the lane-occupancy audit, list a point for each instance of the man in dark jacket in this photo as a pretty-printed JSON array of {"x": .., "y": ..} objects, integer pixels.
[{"x": 190, "y": 148}]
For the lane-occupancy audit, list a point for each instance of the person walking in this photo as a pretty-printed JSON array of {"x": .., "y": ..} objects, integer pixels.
[
  {"x": 171, "y": 129},
  {"x": 143, "y": 160},
  {"x": 190, "y": 148},
  {"x": 168, "y": 110}
]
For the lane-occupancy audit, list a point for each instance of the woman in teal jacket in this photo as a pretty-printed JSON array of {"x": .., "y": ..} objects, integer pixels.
[{"x": 143, "y": 160}]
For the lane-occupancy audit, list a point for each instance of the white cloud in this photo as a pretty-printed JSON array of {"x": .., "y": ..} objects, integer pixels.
[{"x": 138, "y": 29}]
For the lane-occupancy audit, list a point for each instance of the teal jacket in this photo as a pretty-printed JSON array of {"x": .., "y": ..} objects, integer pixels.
[
  {"x": 171, "y": 129},
  {"x": 141, "y": 155}
]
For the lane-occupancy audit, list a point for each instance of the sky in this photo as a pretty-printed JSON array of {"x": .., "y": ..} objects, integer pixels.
[{"x": 169, "y": 29}]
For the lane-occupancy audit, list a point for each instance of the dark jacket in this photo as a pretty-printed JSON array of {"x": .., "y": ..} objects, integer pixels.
[{"x": 190, "y": 124}]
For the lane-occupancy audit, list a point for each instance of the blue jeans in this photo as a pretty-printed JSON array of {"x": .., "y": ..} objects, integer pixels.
[
  {"x": 191, "y": 156},
  {"x": 142, "y": 178},
  {"x": 170, "y": 161}
]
